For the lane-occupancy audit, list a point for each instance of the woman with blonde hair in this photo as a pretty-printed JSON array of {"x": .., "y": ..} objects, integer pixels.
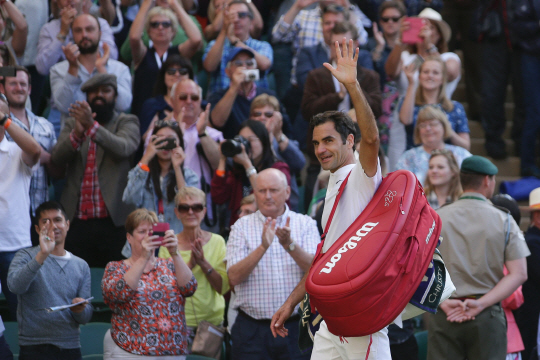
[
  {"x": 442, "y": 182},
  {"x": 204, "y": 253},
  {"x": 431, "y": 90},
  {"x": 161, "y": 25},
  {"x": 430, "y": 131}
]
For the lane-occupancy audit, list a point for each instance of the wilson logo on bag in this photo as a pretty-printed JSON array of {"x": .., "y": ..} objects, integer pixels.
[{"x": 367, "y": 277}]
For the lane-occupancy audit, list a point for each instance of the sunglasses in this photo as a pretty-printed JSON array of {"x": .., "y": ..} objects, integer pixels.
[
  {"x": 243, "y": 14},
  {"x": 387, "y": 19},
  {"x": 333, "y": 8},
  {"x": 184, "y": 208},
  {"x": 173, "y": 71},
  {"x": 193, "y": 97},
  {"x": 247, "y": 63},
  {"x": 267, "y": 114},
  {"x": 161, "y": 123},
  {"x": 165, "y": 24}
]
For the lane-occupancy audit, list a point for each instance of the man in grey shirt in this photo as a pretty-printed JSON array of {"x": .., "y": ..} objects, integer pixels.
[{"x": 45, "y": 276}]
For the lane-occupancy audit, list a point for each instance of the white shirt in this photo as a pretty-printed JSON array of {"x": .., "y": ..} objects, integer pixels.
[
  {"x": 277, "y": 274},
  {"x": 14, "y": 198},
  {"x": 356, "y": 196}
]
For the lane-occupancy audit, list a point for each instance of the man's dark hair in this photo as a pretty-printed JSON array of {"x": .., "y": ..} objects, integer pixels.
[
  {"x": 174, "y": 60},
  {"x": 398, "y": 5},
  {"x": 17, "y": 69},
  {"x": 471, "y": 181},
  {"x": 92, "y": 15},
  {"x": 250, "y": 12},
  {"x": 49, "y": 205},
  {"x": 345, "y": 27},
  {"x": 343, "y": 123}
]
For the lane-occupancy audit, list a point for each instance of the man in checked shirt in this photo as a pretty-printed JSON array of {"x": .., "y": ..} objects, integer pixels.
[
  {"x": 96, "y": 144},
  {"x": 267, "y": 254}
]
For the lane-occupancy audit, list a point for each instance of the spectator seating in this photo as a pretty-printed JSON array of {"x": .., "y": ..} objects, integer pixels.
[
  {"x": 92, "y": 335},
  {"x": 12, "y": 336}
]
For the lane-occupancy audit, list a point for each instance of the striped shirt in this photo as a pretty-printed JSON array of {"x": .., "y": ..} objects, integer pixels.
[
  {"x": 277, "y": 274},
  {"x": 43, "y": 132}
]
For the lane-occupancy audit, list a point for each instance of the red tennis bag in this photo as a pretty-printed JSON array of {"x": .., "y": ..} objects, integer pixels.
[{"x": 365, "y": 280}]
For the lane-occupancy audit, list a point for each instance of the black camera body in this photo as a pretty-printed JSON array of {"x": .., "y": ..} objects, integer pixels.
[
  {"x": 167, "y": 144},
  {"x": 232, "y": 147}
]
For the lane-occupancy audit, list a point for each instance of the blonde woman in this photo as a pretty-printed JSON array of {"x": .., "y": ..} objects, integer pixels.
[
  {"x": 431, "y": 90},
  {"x": 430, "y": 131},
  {"x": 204, "y": 253},
  {"x": 442, "y": 182}
]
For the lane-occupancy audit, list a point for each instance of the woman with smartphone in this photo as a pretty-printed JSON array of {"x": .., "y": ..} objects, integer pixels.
[
  {"x": 153, "y": 183},
  {"x": 147, "y": 295},
  {"x": 431, "y": 90},
  {"x": 204, "y": 253}
]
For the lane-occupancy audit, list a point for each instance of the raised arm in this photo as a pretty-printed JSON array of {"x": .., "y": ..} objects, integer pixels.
[
  {"x": 209, "y": 145},
  {"x": 189, "y": 47},
  {"x": 406, "y": 112},
  {"x": 282, "y": 29},
  {"x": 138, "y": 49},
  {"x": 107, "y": 10},
  {"x": 20, "y": 32},
  {"x": 30, "y": 147},
  {"x": 345, "y": 73}
]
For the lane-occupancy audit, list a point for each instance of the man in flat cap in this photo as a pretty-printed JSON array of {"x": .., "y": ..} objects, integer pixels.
[
  {"x": 479, "y": 239},
  {"x": 96, "y": 145}
]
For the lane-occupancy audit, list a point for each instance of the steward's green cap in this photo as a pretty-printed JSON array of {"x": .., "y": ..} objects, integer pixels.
[{"x": 478, "y": 165}]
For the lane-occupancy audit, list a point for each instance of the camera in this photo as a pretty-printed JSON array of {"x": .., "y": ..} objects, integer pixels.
[
  {"x": 251, "y": 74},
  {"x": 232, "y": 147}
]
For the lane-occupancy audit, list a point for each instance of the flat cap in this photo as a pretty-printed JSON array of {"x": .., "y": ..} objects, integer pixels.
[
  {"x": 98, "y": 80},
  {"x": 478, "y": 165}
]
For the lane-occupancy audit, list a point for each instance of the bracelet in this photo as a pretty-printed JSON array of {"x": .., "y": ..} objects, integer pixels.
[
  {"x": 282, "y": 138},
  {"x": 432, "y": 49},
  {"x": 8, "y": 122},
  {"x": 220, "y": 173},
  {"x": 203, "y": 134},
  {"x": 251, "y": 171},
  {"x": 4, "y": 119},
  {"x": 209, "y": 271},
  {"x": 144, "y": 167},
  {"x": 61, "y": 37}
]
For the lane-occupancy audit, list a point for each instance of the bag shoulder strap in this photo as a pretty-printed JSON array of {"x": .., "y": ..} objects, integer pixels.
[{"x": 331, "y": 216}]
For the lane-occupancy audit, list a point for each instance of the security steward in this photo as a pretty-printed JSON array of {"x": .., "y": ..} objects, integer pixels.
[{"x": 479, "y": 239}]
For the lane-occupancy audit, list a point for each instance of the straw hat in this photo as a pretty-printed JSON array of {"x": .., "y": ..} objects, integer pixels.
[
  {"x": 534, "y": 200},
  {"x": 444, "y": 28}
]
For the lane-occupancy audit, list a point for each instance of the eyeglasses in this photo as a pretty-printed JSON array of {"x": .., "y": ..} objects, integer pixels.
[
  {"x": 193, "y": 97},
  {"x": 332, "y": 8},
  {"x": 441, "y": 152},
  {"x": 431, "y": 124},
  {"x": 243, "y": 14},
  {"x": 184, "y": 208},
  {"x": 165, "y": 24},
  {"x": 246, "y": 63},
  {"x": 393, "y": 18},
  {"x": 267, "y": 114},
  {"x": 173, "y": 71}
]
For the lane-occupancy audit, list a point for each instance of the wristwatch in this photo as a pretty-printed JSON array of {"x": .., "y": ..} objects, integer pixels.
[
  {"x": 203, "y": 134},
  {"x": 281, "y": 138},
  {"x": 4, "y": 119},
  {"x": 291, "y": 246}
]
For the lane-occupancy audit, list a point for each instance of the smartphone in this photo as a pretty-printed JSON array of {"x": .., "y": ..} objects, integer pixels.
[
  {"x": 167, "y": 144},
  {"x": 411, "y": 35},
  {"x": 418, "y": 60},
  {"x": 159, "y": 230}
]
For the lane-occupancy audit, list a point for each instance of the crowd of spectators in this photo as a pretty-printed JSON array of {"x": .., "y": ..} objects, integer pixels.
[{"x": 119, "y": 114}]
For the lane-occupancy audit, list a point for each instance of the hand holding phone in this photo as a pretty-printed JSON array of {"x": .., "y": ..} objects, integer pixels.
[
  {"x": 159, "y": 230},
  {"x": 411, "y": 35},
  {"x": 167, "y": 144}
]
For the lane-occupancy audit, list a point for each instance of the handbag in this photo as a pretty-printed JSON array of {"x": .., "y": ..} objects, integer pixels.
[{"x": 208, "y": 338}]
